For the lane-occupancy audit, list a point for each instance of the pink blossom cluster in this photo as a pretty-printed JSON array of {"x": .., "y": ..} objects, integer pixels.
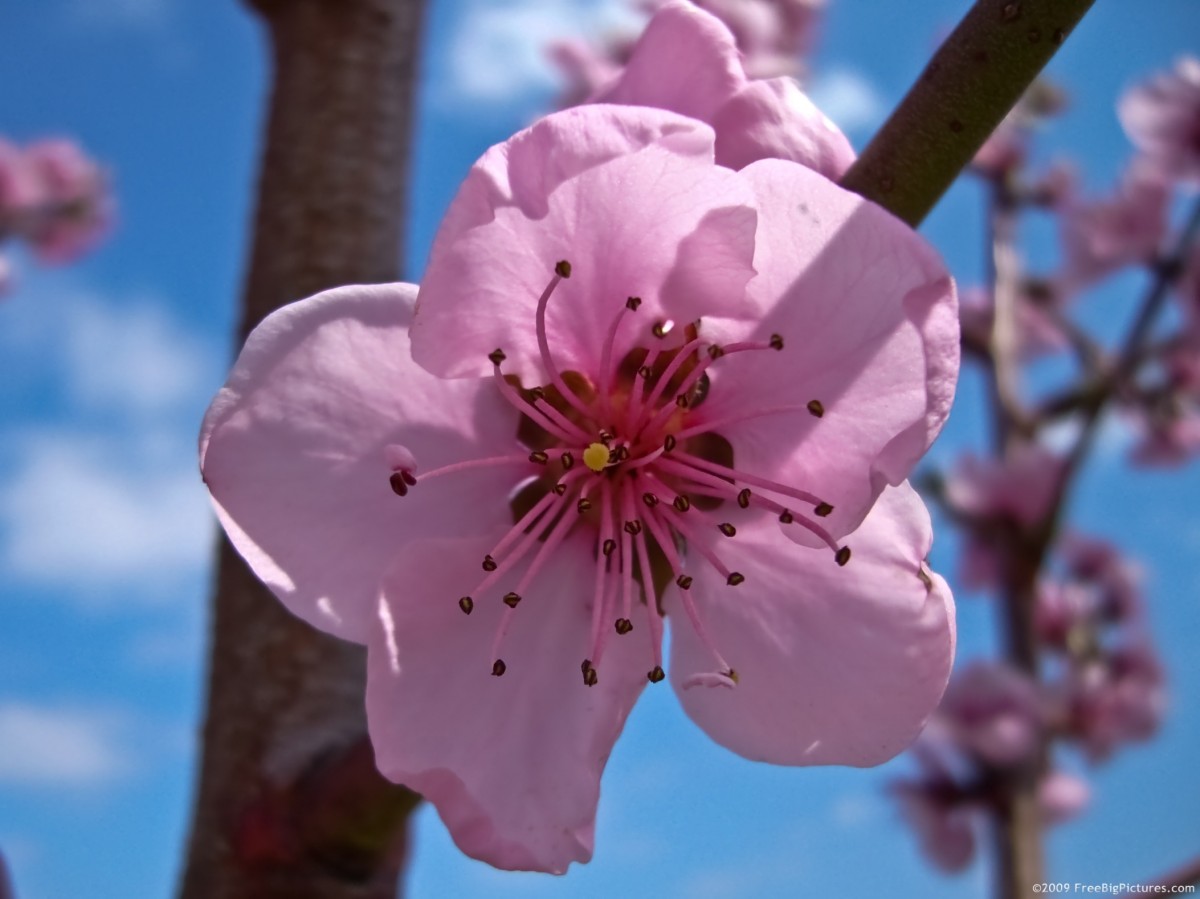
[
  {"x": 661, "y": 371},
  {"x": 1081, "y": 679},
  {"x": 54, "y": 198},
  {"x": 773, "y": 38}
]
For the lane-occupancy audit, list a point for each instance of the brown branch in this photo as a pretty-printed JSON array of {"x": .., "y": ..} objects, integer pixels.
[
  {"x": 971, "y": 83},
  {"x": 289, "y": 803}
]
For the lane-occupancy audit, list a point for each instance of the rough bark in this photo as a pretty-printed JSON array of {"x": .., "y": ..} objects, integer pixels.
[{"x": 289, "y": 803}]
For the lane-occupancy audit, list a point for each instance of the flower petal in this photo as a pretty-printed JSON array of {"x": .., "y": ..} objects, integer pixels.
[
  {"x": 868, "y": 318},
  {"x": 643, "y": 224},
  {"x": 775, "y": 120},
  {"x": 294, "y": 452},
  {"x": 512, "y": 763},
  {"x": 836, "y": 665},
  {"x": 686, "y": 61}
]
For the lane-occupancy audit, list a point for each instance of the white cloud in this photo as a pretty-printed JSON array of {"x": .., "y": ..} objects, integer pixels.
[
  {"x": 108, "y": 495},
  {"x": 140, "y": 14},
  {"x": 131, "y": 357},
  {"x": 60, "y": 747},
  {"x": 90, "y": 512},
  {"x": 499, "y": 51},
  {"x": 848, "y": 98}
]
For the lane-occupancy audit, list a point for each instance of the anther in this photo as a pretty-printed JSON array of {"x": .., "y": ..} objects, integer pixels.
[
  {"x": 590, "y": 677},
  {"x": 681, "y": 401},
  {"x": 644, "y": 371},
  {"x": 681, "y": 503},
  {"x": 744, "y": 498},
  {"x": 466, "y": 604},
  {"x": 816, "y": 408},
  {"x": 650, "y": 500},
  {"x": 623, "y": 626},
  {"x": 622, "y": 453},
  {"x": 559, "y": 489},
  {"x": 539, "y": 457},
  {"x": 823, "y": 510},
  {"x": 400, "y": 481},
  {"x": 776, "y": 342},
  {"x": 562, "y": 268},
  {"x": 842, "y": 556},
  {"x": 732, "y": 675},
  {"x": 585, "y": 665},
  {"x": 498, "y": 668},
  {"x": 632, "y": 303},
  {"x": 735, "y": 578},
  {"x": 512, "y": 600},
  {"x": 609, "y": 547},
  {"x": 659, "y": 329},
  {"x": 489, "y": 564},
  {"x": 670, "y": 443},
  {"x": 715, "y": 352},
  {"x": 537, "y": 393},
  {"x": 583, "y": 505},
  {"x": 655, "y": 674},
  {"x": 786, "y": 517},
  {"x": 633, "y": 528},
  {"x": 727, "y": 529},
  {"x": 683, "y": 582},
  {"x": 497, "y": 356},
  {"x": 567, "y": 460}
]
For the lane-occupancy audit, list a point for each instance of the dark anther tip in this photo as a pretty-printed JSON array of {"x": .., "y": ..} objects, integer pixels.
[
  {"x": 512, "y": 600},
  {"x": 816, "y": 407},
  {"x": 655, "y": 674},
  {"x": 776, "y": 342},
  {"x": 842, "y": 556},
  {"x": 735, "y": 578},
  {"x": 498, "y": 668},
  {"x": 823, "y": 510},
  {"x": 497, "y": 356},
  {"x": 683, "y": 582},
  {"x": 562, "y": 268},
  {"x": 632, "y": 303},
  {"x": 467, "y": 605}
]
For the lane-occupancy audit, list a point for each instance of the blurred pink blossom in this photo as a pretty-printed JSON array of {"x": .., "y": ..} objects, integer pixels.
[
  {"x": 1038, "y": 333},
  {"x": 1118, "y": 698},
  {"x": 365, "y": 457},
  {"x": 1162, "y": 119},
  {"x": 73, "y": 208},
  {"x": 1019, "y": 488},
  {"x": 1062, "y": 796},
  {"x": 992, "y": 712},
  {"x": 1127, "y": 228}
]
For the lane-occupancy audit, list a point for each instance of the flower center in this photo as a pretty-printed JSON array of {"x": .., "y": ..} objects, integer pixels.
[{"x": 651, "y": 488}]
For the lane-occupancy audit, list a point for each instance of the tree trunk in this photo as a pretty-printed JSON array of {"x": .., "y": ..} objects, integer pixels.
[{"x": 289, "y": 803}]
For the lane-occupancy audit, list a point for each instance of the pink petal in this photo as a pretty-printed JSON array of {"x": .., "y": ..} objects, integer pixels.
[
  {"x": 656, "y": 223},
  {"x": 512, "y": 763},
  {"x": 776, "y": 120},
  {"x": 869, "y": 322},
  {"x": 293, "y": 450},
  {"x": 836, "y": 665},
  {"x": 685, "y": 61}
]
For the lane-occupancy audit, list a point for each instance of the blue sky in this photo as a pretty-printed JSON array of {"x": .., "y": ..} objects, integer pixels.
[{"x": 105, "y": 535}]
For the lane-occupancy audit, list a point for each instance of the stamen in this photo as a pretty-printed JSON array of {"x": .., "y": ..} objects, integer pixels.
[
  {"x": 474, "y": 463},
  {"x": 576, "y": 432},
  {"x": 650, "y": 597},
  {"x": 722, "y": 423},
  {"x": 681, "y": 461},
  {"x": 527, "y": 409},
  {"x": 600, "y": 588},
  {"x": 672, "y": 368},
  {"x": 561, "y": 270},
  {"x": 606, "y": 372}
]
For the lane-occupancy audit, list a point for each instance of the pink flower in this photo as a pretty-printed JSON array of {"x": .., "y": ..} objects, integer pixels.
[
  {"x": 687, "y": 61},
  {"x": 1062, "y": 796},
  {"x": 992, "y": 712},
  {"x": 1102, "y": 236},
  {"x": 941, "y": 811},
  {"x": 73, "y": 205},
  {"x": 1119, "y": 698},
  {"x": 1019, "y": 488},
  {"x": 634, "y": 381},
  {"x": 1162, "y": 118}
]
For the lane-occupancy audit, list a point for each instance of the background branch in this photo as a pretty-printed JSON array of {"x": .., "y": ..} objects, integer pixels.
[{"x": 969, "y": 86}]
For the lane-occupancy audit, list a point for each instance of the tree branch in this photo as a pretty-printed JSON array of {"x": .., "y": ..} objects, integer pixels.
[{"x": 971, "y": 83}]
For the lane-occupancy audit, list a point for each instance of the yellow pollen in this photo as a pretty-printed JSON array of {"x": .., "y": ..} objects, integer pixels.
[{"x": 595, "y": 457}]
